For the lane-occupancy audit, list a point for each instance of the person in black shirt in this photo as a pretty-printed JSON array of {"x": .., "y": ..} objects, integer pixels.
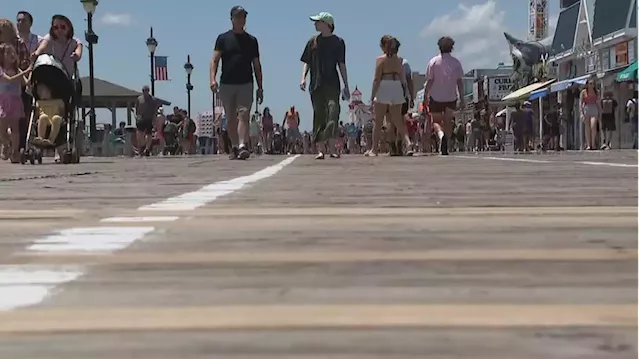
[
  {"x": 322, "y": 55},
  {"x": 609, "y": 107},
  {"x": 240, "y": 59}
]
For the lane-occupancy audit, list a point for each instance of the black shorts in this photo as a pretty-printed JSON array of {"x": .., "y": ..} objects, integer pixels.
[
  {"x": 608, "y": 122},
  {"x": 405, "y": 108},
  {"x": 145, "y": 125},
  {"x": 439, "y": 107}
]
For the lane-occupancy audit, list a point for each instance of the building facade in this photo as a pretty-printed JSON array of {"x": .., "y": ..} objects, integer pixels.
[
  {"x": 595, "y": 38},
  {"x": 359, "y": 112}
]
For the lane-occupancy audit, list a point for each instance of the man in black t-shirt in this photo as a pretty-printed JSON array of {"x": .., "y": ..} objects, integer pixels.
[
  {"x": 240, "y": 57},
  {"x": 322, "y": 56}
]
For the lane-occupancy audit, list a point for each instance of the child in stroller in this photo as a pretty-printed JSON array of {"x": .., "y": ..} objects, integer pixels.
[
  {"x": 53, "y": 123},
  {"x": 50, "y": 112}
]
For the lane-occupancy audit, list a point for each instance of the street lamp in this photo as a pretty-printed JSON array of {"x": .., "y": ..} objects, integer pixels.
[
  {"x": 152, "y": 44},
  {"x": 92, "y": 39},
  {"x": 188, "y": 67}
]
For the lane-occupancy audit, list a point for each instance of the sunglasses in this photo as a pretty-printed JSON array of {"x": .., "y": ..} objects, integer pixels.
[{"x": 59, "y": 27}]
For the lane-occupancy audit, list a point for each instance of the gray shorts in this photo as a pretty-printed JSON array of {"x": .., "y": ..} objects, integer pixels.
[
  {"x": 591, "y": 110},
  {"x": 293, "y": 134},
  {"x": 237, "y": 99}
]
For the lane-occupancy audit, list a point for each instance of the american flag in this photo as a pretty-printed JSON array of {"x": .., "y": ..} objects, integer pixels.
[{"x": 162, "y": 71}]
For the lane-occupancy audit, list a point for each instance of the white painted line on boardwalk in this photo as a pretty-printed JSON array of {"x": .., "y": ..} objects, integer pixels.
[
  {"x": 20, "y": 287},
  {"x": 139, "y": 219},
  {"x": 18, "y": 296},
  {"x": 192, "y": 200},
  {"x": 90, "y": 239},
  {"x": 24, "y": 286},
  {"x": 591, "y": 163},
  {"x": 509, "y": 159},
  {"x": 610, "y": 164}
]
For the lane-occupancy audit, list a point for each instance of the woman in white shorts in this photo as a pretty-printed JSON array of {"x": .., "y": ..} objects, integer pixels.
[{"x": 388, "y": 93}]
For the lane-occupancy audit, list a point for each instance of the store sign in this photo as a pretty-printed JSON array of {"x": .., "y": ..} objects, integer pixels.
[
  {"x": 621, "y": 54},
  {"x": 499, "y": 87}
]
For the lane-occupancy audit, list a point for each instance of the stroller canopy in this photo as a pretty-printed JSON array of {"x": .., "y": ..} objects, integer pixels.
[{"x": 49, "y": 71}]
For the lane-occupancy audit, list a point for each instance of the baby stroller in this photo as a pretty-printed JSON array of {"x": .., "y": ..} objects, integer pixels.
[
  {"x": 49, "y": 71},
  {"x": 278, "y": 145},
  {"x": 172, "y": 135}
]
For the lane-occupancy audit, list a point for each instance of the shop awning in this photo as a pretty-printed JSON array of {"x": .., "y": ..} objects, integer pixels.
[
  {"x": 526, "y": 91},
  {"x": 628, "y": 74},
  {"x": 539, "y": 93},
  {"x": 565, "y": 84}
]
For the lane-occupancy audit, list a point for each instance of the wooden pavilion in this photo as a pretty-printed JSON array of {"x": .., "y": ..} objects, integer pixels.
[{"x": 112, "y": 97}]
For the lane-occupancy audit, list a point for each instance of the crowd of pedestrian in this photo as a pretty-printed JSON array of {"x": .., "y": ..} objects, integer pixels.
[
  {"x": 324, "y": 63},
  {"x": 392, "y": 128}
]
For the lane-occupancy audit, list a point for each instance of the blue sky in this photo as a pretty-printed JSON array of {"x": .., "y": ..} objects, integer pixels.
[{"x": 282, "y": 27}]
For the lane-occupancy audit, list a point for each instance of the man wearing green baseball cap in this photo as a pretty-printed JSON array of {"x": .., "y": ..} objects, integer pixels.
[{"x": 323, "y": 55}]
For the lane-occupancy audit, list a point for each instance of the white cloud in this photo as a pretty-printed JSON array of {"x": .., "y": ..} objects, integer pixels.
[
  {"x": 478, "y": 32},
  {"x": 117, "y": 19}
]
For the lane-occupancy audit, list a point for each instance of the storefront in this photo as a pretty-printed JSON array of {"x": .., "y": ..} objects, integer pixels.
[
  {"x": 627, "y": 88},
  {"x": 614, "y": 61}
]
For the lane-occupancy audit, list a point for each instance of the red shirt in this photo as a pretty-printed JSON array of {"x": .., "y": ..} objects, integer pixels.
[{"x": 412, "y": 126}]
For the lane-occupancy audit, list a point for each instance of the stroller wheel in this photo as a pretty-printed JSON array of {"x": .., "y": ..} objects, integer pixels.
[
  {"x": 39, "y": 156},
  {"x": 65, "y": 158},
  {"x": 23, "y": 157},
  {"x": 32, "y": 157}
]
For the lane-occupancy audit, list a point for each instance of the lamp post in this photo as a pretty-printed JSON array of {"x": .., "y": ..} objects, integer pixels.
[
  {"x": 152, "y": 44},
  {"x": 92, "y": 39},
  {"x": 188, "y": 67}
]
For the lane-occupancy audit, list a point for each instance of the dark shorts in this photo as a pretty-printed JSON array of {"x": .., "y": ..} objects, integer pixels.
[
  {"x": 439, "y": 107},
  {"x": 145, "y": 125},
  {"x": 405, "y": 108},
  {"x": 608, "y": 122}
]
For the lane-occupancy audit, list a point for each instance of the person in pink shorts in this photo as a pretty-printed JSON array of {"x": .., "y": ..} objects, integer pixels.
[{"x": 11, "y": 107}]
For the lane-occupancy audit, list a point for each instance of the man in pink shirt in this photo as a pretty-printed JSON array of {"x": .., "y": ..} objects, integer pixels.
[{"x": 443, "y": 90}]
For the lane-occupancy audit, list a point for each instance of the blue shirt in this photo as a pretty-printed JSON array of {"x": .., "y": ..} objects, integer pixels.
[
  {"x": 224, "y": 122},
  {"x": 352, "y": 131}
]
